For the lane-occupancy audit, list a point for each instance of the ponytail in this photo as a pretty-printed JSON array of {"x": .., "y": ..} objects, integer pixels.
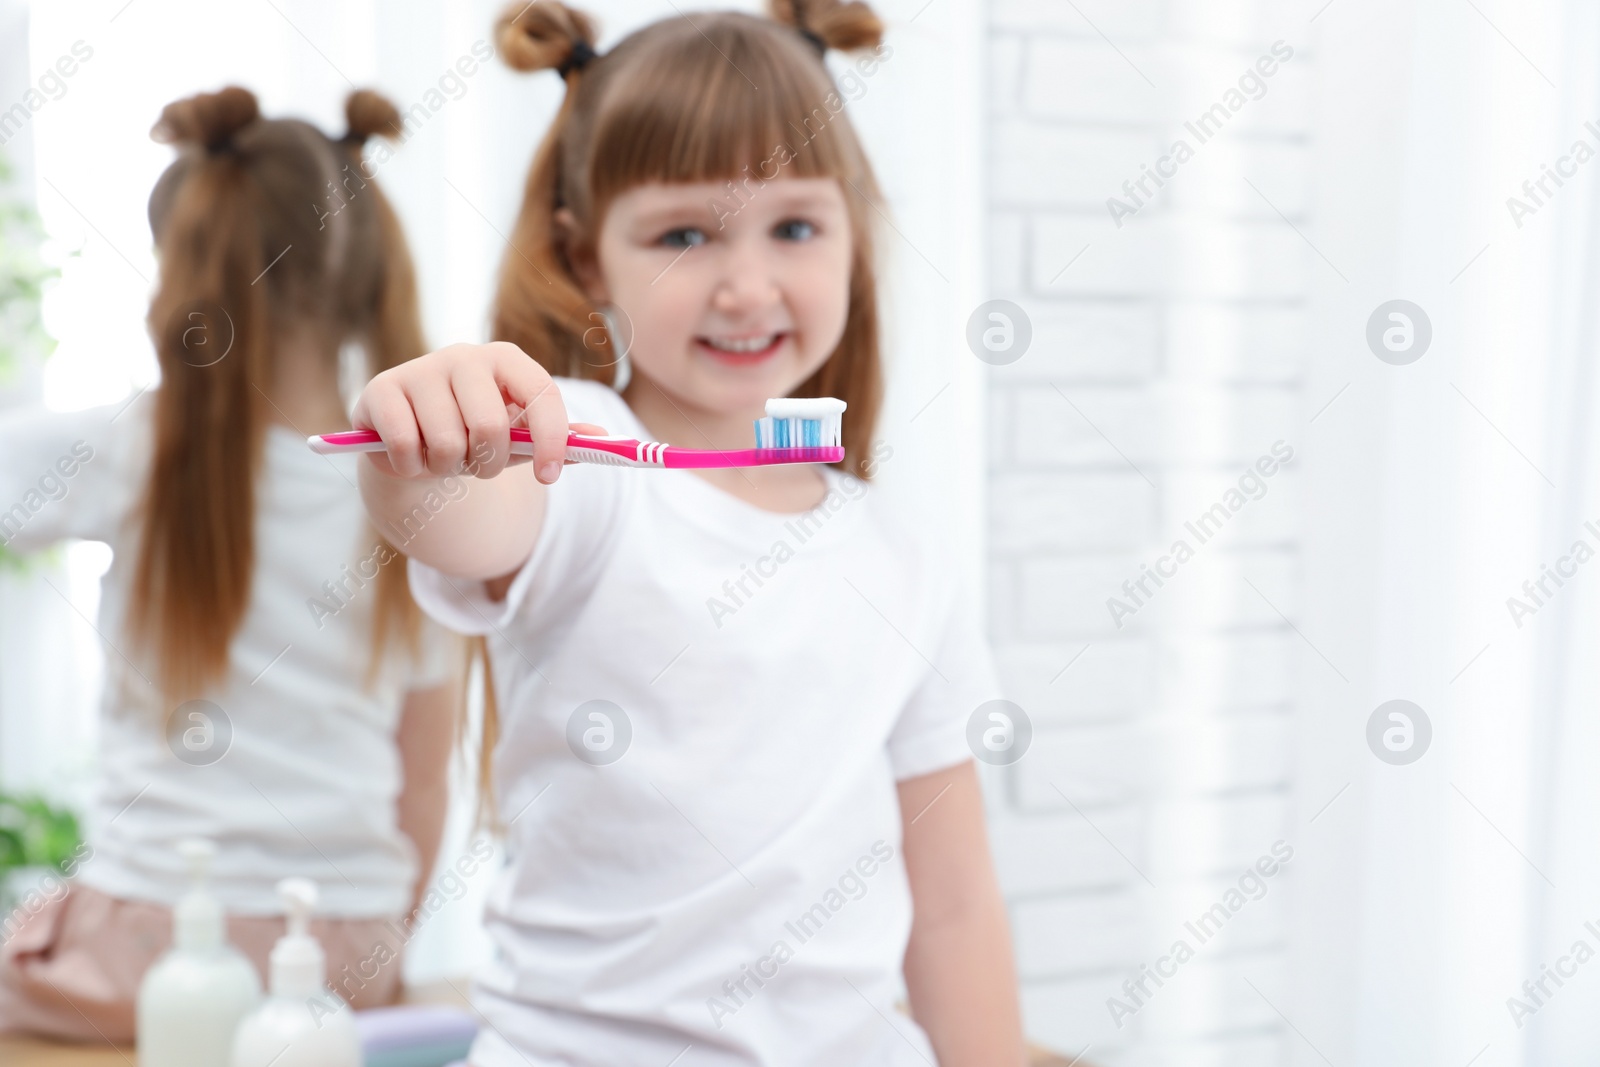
[
  {"x": 246, "y": 257},
  {"x": 540, "y": 307},
  {"x": 831, "y": 24},
  {"x": 211, "y": 334},
  {"x": 545, "y": 35}
]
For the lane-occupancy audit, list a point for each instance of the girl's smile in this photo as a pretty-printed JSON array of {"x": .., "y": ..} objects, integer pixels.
[{"x": 743, "y": 351}]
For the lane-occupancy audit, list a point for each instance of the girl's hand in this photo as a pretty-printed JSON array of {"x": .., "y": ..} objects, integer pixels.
[{"x": 451, "y": 412}]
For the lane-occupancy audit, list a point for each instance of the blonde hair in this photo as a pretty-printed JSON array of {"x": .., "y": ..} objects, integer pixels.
[
  {"x": 239, "y": 192},
  {"x": 707, "y": 97}
]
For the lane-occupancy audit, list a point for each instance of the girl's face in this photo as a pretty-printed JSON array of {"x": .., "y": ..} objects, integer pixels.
[{"x": 725, "y": 303}]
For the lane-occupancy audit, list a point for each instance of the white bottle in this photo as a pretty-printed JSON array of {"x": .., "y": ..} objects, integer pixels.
[
  {"x": 192, "y": 998},
  {"x": 302, "y": 1023}
]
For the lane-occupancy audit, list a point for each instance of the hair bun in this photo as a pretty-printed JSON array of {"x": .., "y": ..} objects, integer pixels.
[
  {"x": 368, "y": 113},
  {"x": 209, "y": 119},
  {"x": 544, "y": 35},
  {"x": 844, "y": 26}
]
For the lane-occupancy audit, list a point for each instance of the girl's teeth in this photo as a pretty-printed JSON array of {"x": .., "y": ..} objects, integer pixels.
[{"x": 752, "y": 344}]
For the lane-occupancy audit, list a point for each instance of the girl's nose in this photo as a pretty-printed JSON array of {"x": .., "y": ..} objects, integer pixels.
[{"x": 748, "y": 283}]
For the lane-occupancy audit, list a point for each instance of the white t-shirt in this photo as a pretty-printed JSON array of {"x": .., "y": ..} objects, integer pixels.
[
  {"x": 750, "y": 831},
  {"x": 299, "y": 773}
]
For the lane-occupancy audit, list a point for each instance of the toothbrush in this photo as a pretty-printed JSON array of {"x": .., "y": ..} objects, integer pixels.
[{"x": 796, "y": 430}]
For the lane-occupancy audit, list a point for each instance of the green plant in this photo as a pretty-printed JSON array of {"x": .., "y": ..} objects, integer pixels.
[
  {"x": 35, "y": 833},
  {"x": 23, "y": 277}
]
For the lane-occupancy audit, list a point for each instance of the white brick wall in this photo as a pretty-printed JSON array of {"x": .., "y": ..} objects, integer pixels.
[{"x": 1163, "y": 363}]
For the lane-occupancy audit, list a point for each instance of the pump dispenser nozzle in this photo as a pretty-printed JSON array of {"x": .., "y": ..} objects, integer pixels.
[
  {"x": 299, "y": 896},
  {"x": 197, "y": 921},
  {"x": 297, "y": 962},
  {"x": 197, "y": 855}
]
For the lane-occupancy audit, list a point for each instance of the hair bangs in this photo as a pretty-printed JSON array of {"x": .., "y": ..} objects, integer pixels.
[{"x": 732, "y": 98}]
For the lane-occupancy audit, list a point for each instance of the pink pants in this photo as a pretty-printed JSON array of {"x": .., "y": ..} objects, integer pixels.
[{"x": 71, "y": 969}]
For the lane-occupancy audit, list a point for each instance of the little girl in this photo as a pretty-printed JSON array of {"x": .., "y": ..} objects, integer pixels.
[
  {"x": 732, "y": 766},
  {"x": 266, "y": 680}
]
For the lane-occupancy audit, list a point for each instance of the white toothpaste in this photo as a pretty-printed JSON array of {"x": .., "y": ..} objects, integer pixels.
[{"x": 804, "y": 407}]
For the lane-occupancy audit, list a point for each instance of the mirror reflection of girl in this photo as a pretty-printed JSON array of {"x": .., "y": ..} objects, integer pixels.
[
  {"x": 792, "y": 820},
  {"x": 316, "y": 745}
]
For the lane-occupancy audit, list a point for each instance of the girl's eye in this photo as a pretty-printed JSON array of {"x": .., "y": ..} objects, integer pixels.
[
  {"x": 794, "y": 230},
  {"x": 687, "y": 237}
]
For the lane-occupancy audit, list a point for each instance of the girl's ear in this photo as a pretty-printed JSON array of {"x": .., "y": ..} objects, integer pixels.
[{"x": 581, "y": 254}]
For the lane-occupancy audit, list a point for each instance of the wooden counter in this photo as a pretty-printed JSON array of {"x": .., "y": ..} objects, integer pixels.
[{"x": 27, "y": 1052}]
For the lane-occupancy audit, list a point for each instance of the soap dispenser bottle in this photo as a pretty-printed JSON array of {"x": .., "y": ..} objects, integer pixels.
[
  {"x": 192, "y": 998},
  {"x": 302, "y": 1023}
]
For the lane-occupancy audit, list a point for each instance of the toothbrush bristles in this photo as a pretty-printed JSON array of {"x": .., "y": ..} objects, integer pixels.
[
  {"x": 801, "y": 423},
  {"x": 798, "y": 433}
]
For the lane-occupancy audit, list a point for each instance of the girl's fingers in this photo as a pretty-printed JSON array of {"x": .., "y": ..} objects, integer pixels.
[
  {"x": 527, "y": 386},
  {"x": 576, "y": 427},
  {"x": 444, "y": 435},
  {"x": 450, "y": 412},
  {"x": 384, "y": 407},
  {"x": 483, "y": 412}
]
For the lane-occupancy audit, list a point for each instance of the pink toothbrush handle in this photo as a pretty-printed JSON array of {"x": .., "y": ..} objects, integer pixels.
[
  {"x": 627, "y": 452},
  {"x": 707, "y": 459},
  {"x": 612, "y": 451}
]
